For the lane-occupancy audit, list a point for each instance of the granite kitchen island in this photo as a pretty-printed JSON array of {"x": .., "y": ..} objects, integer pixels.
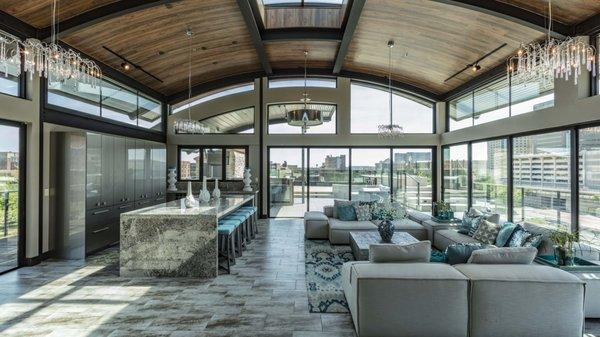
[{"x": 174, "y": 241}]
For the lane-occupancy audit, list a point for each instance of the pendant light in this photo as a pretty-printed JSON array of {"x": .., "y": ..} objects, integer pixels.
[
  {"x": 390, "y": 130},
  {"x": 189, "y": 125},
  {"x": 306, "y": 116}
]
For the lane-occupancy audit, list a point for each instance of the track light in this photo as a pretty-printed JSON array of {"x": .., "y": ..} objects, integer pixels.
[
  {"x": 475, "y": 67},
  {"x": 126, "y": 66}
]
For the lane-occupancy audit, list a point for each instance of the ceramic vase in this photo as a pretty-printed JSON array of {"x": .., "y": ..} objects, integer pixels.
[
  {"x": 386, "y": 230},
  {"x": 204, "y": 193},
  {"x": 172, "y": 180},
  {"x": 190, "y": 201},
  {"x": 247, "y": 180},
  {"x": 216, "y": 194}
]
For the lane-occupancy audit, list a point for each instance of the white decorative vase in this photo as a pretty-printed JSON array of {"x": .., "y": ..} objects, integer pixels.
[
  {"x": 247, "y": 180},
  {"x": 190, "y": 201},
  {"x": 204, "y": 193},
  {"x": 216, "y": 192},
  {"x": 172, "y": 180}
]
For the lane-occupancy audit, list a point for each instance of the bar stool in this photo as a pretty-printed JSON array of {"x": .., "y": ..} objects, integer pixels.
[
  {"x": 238, "y": 234},
  {"x": 225, "y": 234},
  {"x": 254, "y": 222},
  {"x": 246, "y": 224},
  {"x": 242, "y": 218}
]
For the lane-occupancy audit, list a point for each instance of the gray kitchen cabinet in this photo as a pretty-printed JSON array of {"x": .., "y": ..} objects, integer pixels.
[
  {"x": 159, "y": 167},
  {"x": 107, "y": 170},
  {"x": 140, "y": 170},
  {"x": 119, "y": 170},
  {"x": 130, "y": 175},
  {"x": 93, "y": 170},
  {"x": 148, "y": 168}
]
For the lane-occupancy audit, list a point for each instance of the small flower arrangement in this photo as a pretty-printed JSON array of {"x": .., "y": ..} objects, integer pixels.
[{"x": 388, "y": 210}]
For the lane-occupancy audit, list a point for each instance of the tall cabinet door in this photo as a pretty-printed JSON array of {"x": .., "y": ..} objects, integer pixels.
[
  {"x": 158, "y": 169},
  {"x": 130, "y": 170},
  {"x": 94, "y": 171},
  {"x": 107, "y": 170},
  {"x": 119, "y": 170},
  {"x": 140, "y": 170},
  {"x": 148, "y": 169}
]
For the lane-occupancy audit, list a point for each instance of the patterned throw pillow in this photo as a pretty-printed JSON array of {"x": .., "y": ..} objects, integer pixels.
[
  {"x": 534, "y": 240},
  {"x": 487, "y": 232},
  {"x": 338, "y": 203},
  {"x": 363, "y": 212},
  {"x": 519, "y": 237},
  {"x": 346, "y": 213},
  {"x": 505, "y": 233},
  {"x": 474, "y": 225}
]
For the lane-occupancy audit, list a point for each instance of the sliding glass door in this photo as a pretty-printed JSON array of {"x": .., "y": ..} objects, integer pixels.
[
  {"x": 10, "y": 195},
  {"x": 329, "y": 176},
  {"x": 370, "y": 174},
  {"x": 412, "y": 179},
  {"x": 288, "y": 191}
]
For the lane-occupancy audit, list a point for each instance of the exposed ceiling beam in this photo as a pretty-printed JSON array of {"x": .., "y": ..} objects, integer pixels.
[
  {"x": 16, "y": 27},
  {"x": 101, "y": 14},
  {"x": 349, "y": 28},
  {"x": 206, "y": 87},
  {"x": 296, "y": 34},
  {"x": 588, "y": 27},
  {"x": 512, "y": 13},
  {"x": 252, "y": 26}
]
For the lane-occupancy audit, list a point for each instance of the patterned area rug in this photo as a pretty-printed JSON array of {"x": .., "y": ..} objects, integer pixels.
[{"x": 323, "y": 274}]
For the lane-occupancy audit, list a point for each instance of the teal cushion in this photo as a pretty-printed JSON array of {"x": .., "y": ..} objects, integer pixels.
[
  {"x": 226, "y": 229},
  {"x": 236, "y": 217},
  {"x": 461, "y": 252},
  {"x": 505, "y": 233},
  {"x": 229, "y": 223},
  {"x": 519, "y": 237},
  {"x": 346, "y": 213}
]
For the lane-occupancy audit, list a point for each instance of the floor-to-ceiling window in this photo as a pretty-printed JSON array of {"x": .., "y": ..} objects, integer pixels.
[
  {"x": 328, "y": 176},
  {"x": 412, "y": 178},
  {"x": 10, "y": 190},
  {"x": 455, "y": 175},
  {"x": 490, "y": 176},
  {"x": 541, "y": 178},
  {"x": 370, "y": 174},
  {"x": 589, "y": 185},
  {"x": 288, "y": 182}
]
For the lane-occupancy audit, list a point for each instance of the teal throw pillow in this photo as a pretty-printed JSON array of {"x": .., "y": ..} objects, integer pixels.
[
  {"x": 519, "y": 237},
  {"x": 534, "y": 240},
  {"x": 346, "y": 213},
  {"x": 505, "y": 233},
  {"x": 461, "y": 252}
]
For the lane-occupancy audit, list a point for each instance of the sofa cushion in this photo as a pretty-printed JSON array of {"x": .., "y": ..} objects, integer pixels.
[
  {"x": 328, "y": 210},
  {"x": 458, "y": 253},
  {"x": 505, "y": 233},
  {"x": 445, "y": 237},
  {"x": 346, "y": 213},
  {"x": 487, "y": 232},
  {"x": 337, "y": 224},
  {"x": 414, "y": 252},
  {"x": 316, "y": 225},
  {"x": 504, "y": 255},
  {"x": 519, "y": 237},
  {"x": 417, "y": 216},
  {"x": 315, "y": 216}
]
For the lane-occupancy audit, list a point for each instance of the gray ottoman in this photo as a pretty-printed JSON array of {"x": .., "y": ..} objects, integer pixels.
[{"x": 316, "y": 225}]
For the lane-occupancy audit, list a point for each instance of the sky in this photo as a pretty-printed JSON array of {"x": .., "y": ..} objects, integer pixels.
[{"x": 10, "y": 138}]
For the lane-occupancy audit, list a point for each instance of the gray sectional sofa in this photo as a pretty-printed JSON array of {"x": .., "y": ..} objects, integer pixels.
[
  {"x": 323, "y": 225},
  {"x": 433, "y": 299}
]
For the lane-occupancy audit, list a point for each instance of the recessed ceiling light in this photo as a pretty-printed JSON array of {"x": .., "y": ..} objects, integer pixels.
[{"x": 126, "y": 66}]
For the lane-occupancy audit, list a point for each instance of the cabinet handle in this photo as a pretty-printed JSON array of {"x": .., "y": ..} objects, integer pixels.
[
  {"x": 100, "y": 212},
  {"x": 100, "y": 230},
  {"x": 124, "y": 206}
]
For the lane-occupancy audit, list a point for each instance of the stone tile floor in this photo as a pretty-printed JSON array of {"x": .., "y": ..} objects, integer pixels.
[{"x": 264, "y": 296}]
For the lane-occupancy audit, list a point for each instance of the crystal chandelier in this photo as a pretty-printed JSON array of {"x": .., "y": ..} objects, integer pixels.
[
  {"x": 552, "y": 59},
  {"x": 49, "y": 60},
  {"x": 391, "y": 130},
  {"x": 307, "y": 116},
  {"x": 189, "y": 125}
]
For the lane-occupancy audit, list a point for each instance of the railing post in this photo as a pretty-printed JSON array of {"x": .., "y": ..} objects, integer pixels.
[
  {"x": 522, "y": 203},
  {"x": 5, "y": 199},
  {"x": 419, "y": 195}
]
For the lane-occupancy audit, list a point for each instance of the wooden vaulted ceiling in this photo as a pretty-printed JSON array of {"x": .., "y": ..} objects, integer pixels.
[{"x": 434, "y": 38}]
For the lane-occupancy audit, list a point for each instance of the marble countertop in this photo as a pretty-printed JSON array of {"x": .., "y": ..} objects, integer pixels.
[{"x": 218, "y": 207}]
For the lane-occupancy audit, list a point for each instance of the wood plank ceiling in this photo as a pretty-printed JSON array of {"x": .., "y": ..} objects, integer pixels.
[{"x": 434, "y": 39}]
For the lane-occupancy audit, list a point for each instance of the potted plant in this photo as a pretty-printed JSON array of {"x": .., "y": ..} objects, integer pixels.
[
  {"x": 563, "y": 245},
  {"x": 442, "y": 210},
  {"x": 387, "y": 212}
]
